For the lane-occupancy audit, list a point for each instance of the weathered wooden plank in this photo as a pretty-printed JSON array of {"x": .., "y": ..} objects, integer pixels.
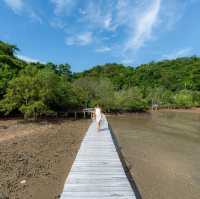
[
  {"x": 100, "y": 197},
  {"x": 97, "y": 171},
  {"x": 94, "y": 188},
  {"x": 99, "y": 194},
  {"x": 106, "y": 182}
]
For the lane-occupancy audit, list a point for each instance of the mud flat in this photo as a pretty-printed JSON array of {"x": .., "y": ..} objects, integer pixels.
[
  {"x": 35, "y": 158},
  {"x": 162, "y": 150},
  {"x": 189, "y": 110}
]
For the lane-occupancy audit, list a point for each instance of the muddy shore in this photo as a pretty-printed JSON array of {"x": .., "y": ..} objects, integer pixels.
[
  {"x": 35, "y": 158},
  {"x": 178, "y": 110},
  {"x": 190, "y": 110}
]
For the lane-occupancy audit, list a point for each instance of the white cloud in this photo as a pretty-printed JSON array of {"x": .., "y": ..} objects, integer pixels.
[
  {"x": 172, "y": 12},
  {"x": 57, "y": 23},
  {"x": 80, "y": 39},
  {"x": 108, "y": 21},
  {"x": 98, "y": 15},
  {"x": 144, "y": 22},
  {"x": 124, "y": 9},
  {"x": 103, "y": 49},
  {"x": 28, "y": 59},
  {"x": 178, "y": 53},
  {"x": 137, "y": 20},
  {"x": 15, "y": 5},
  {"x": 127, "y": 61},
  {"x": 34, "y": 17},
  {"x": 133, "y": 22},
  {"x": 62, "y": 6},
  {"x": 20, "y": 8}
]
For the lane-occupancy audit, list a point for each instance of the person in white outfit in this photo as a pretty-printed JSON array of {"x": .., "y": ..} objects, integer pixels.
[{"x": 98, "y": 116}]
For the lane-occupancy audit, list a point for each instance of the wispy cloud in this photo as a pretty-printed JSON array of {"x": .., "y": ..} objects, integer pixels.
[
  {"x": 28, "y": 59},
  {"x": 171, "y": 13},
  {"x": 127, "y": 61},
  {"x": 81, "y": 39},
  {"x": 134, "y": 23},
  {"x": 99, "y": 15},
  {"x": 63, "y": 6},
  {"x": 103, "y": 49},
  {"x": 15, "y": 5},
  {"x": 178, "y": 53},
  {"x": 136, "y": 19},
  {"x": 144, "y": 22},
  {"x": 20, "y": 7},
  {"x": 57, "y": 23},
  {"x": 34, "y": 16}
]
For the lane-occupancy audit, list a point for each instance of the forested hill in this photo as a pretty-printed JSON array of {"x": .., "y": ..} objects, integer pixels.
[
  {"x": 120, "y": 75},
  {"x": 35, "y": 89},
  {"x": 178, "y": 74}
]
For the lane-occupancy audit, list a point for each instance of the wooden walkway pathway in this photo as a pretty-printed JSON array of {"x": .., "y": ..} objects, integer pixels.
[{"x": 97, "y": 171}]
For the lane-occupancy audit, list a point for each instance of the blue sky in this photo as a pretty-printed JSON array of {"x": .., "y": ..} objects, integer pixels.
[{"x": 84, "y": 33}]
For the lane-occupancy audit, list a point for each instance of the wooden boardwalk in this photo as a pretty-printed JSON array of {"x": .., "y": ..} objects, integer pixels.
[{"x": 97, "y": 171}]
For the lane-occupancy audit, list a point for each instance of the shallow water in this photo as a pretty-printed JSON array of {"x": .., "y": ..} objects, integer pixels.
[{"x": 163, "y": 151}]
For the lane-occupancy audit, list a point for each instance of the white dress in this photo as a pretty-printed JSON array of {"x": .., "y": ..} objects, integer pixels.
[{"x": 98, "y": 114}]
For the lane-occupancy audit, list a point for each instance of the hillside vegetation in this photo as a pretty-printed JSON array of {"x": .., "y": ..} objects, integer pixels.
[{"x": 35, "y": 89}]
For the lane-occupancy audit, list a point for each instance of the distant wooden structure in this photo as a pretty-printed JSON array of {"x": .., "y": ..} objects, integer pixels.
[
  {"x": 155, "y": 107},
  {"x": 88, "y": 110},
  {"x": 75, "y": 112},
  {"x": 97, "y": 172}
]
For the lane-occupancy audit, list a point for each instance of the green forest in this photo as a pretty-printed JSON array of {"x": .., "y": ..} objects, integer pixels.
[{"x": 37, "y": 89}]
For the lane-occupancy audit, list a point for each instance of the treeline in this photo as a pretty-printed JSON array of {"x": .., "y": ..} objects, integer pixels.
[{"x": 36, "y": 89}]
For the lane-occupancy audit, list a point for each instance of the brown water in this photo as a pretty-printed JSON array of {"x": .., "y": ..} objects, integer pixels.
[{"x": 163, "y": 151}]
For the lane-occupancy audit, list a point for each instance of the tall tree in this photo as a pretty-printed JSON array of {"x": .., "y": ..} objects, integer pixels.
[{"x": 7, "y": 49}]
